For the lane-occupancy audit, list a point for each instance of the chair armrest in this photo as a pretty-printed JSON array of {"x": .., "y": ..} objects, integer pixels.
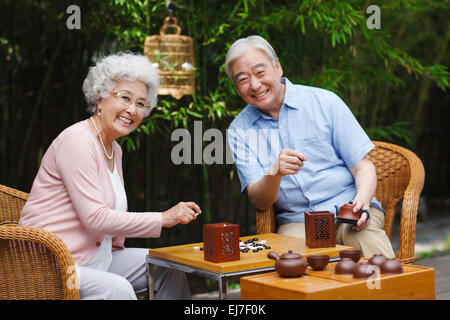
[
  {"x": 19, "y": 235},
  {"x": 410, "y": 206}
]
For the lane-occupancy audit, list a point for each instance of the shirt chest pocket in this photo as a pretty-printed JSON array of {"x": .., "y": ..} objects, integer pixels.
[{"x": 319, "y": 151}]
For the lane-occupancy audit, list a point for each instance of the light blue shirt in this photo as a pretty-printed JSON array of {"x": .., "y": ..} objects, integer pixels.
[{"x": 315, "y": 122}]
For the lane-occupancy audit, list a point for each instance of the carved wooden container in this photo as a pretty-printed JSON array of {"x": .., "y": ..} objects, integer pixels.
[
  {"x": 221, "y": 242},
  {"x": 320, "y": 229}
]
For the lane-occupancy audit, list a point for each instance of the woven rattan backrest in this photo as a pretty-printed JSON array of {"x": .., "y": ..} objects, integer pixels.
[
  {"x": 393, "y": 175},
  {"x": 11, "y": 203}
]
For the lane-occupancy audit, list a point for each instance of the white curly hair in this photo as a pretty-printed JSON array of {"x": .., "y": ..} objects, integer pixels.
[
  {"x": 102, "y": 77},
  {"x": 241, "y": 46}
]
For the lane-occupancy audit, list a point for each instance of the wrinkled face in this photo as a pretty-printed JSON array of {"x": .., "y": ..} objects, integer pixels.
[
  {"x": 258, "y": 81},
  {"x": 119, "y": 114}
]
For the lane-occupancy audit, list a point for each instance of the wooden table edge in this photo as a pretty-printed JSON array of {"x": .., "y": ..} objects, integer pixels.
[
  {"x": 228, "y": 267},
  {"x": 345, "y": 282}
]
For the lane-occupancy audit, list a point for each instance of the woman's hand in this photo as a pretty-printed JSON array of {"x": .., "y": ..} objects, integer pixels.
[{"x": 183, "y": 212}]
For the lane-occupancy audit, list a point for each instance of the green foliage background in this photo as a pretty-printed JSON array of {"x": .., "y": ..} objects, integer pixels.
[{"x": 394, "y": 79}]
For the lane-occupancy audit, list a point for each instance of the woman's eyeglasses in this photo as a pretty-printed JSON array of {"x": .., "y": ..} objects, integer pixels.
[{"x": 127, "y": 99}]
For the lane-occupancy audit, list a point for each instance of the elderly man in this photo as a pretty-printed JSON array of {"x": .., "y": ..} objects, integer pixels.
[{"x": 300, "y": 149}]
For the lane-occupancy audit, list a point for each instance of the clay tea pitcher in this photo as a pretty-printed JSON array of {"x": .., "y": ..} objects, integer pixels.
[
  {"x": 345, "y": 214},
  {"x": 289, "y": 264}
]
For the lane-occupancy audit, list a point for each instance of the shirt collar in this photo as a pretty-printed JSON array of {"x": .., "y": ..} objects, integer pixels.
[
  {"x": 291, "y": 95},
  {"x": 290, "y": 100}
]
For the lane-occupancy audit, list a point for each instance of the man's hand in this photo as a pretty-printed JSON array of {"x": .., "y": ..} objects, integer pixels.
[
  {"x": 264, "y": 193},
  {"x": 365, "y": 176},
  {"x": 183, "y": 212},
  {"x": 363, "y": 222},
  {"x": 289, "y": 162}
]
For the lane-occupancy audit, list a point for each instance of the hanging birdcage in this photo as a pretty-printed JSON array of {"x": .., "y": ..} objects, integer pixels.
[{"x": 173, "y": 55}]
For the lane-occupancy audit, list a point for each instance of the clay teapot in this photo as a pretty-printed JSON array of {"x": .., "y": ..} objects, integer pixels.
[
  {"x": 289, "y": 264},
  {"x": 345, "y": 214}
]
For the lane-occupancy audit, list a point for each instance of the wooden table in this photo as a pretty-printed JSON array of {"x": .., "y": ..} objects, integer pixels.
[
  {"x": 185, "y": 258},
  {"x": 416, "y": 282}
]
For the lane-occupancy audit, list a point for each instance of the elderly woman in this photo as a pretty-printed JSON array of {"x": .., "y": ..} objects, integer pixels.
[{"x": 79, "y": 194}]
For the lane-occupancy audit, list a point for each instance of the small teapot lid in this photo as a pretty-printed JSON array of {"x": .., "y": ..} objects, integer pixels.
[
  {"x": 350, "y": 204},
  {"x": 291, "y": 255}
]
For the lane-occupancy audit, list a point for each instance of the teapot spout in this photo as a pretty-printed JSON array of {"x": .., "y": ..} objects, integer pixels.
[{"x": 273, "y": 255}]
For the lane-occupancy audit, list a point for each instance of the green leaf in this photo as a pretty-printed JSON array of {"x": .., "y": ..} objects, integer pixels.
[
  {"x": 302, "y": 24},
  {"x": 195, "y": 114}
]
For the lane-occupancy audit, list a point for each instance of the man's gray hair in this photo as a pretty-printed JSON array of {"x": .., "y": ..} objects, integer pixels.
[
  {"x": 240, "y": 46},
  {"x": 102, "y": 77}
]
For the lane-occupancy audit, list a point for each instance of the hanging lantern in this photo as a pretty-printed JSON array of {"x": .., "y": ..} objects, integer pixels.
[{"x": 173, "y": 56}]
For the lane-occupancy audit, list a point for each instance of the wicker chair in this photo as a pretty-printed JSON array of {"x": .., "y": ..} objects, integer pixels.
[
  {"x": 400, "y": 175},
  {"x": 11, "y": 204},
  {"x": 34, "y": 263}
]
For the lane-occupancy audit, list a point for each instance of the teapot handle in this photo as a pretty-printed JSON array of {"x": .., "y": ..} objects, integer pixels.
[
  {"x": 366, "y": 211},
  {"x": 337, "y": 209}
]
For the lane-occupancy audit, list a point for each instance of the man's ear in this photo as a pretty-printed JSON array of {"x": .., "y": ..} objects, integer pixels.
[
  {"x": 236, "y": 87},
  {"x": 237, "y": 90},
  {"x": 279, "y": 68}
]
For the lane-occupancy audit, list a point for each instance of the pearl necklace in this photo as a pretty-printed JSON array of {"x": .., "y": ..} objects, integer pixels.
[{"x": 101, "y": 142}]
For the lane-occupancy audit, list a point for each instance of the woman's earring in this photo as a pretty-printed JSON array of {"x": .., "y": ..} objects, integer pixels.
[{"x": 99, "y": 111}]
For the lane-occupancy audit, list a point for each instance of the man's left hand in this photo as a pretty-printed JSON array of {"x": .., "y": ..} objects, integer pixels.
[{"x": 363, "y": 222}]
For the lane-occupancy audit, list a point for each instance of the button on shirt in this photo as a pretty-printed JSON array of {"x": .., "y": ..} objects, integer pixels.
[{"x": 315, "y": 122}]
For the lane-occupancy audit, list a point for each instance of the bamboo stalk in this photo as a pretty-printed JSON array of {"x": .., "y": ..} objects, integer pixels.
[
  {"x": 26, "y": 140},
  {"x": 147, "y": 173},
  {"x": 3, "y": 120},
  {"x": 426, "y": 83}
]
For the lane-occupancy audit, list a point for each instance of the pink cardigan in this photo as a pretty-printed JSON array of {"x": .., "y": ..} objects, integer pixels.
[{"x": 72, "y": 196}]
